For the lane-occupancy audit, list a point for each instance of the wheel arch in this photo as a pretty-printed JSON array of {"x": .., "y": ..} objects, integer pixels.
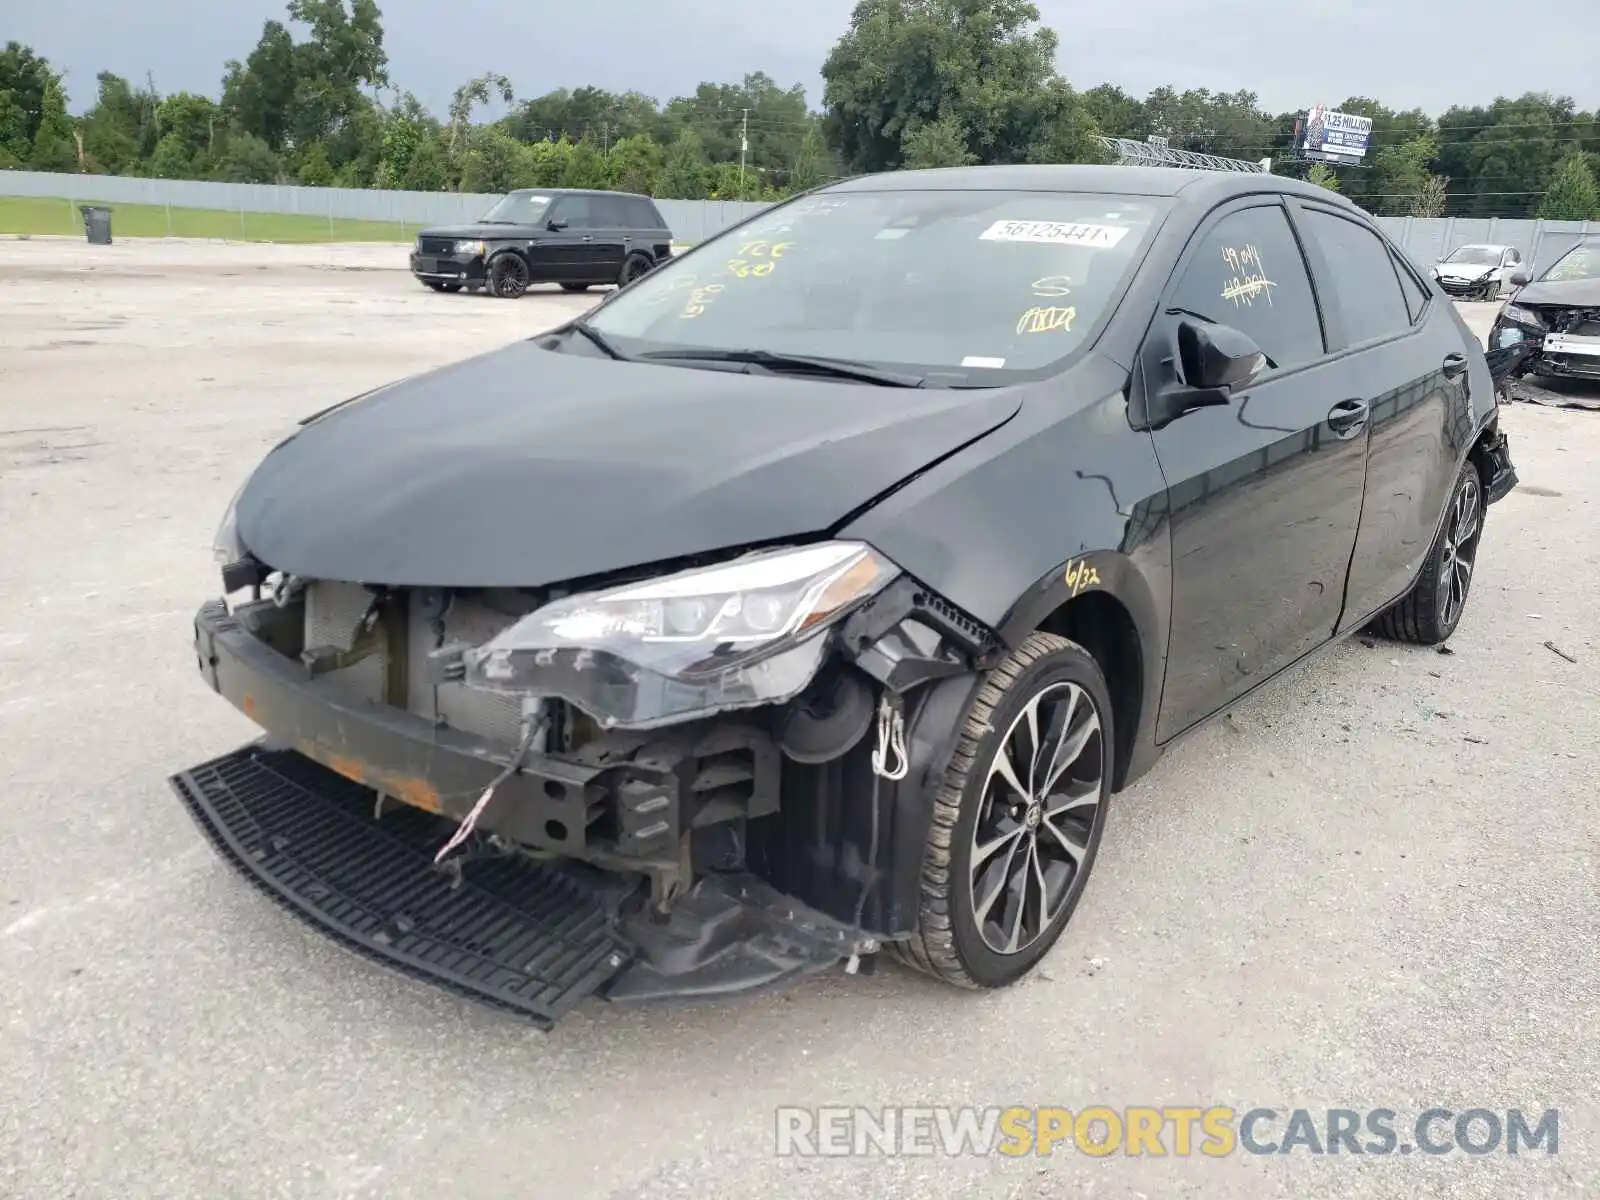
[
  {"x": 499, "y": 252},
  {"x": 1103, "y": 601}
]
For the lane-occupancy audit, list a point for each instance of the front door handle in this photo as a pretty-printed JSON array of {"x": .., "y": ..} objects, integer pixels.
[
  {"x": 1348, "y": 417},
  {"x": 587, "y": 238},
  {"x": 1454, "y": 364}
]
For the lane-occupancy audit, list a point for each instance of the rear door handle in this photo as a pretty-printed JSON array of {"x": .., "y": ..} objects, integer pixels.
[
  {"x": 587, "y": 238},
  {"x": 1454, "y": 364},
  {"x": 1347, "y": 417}
]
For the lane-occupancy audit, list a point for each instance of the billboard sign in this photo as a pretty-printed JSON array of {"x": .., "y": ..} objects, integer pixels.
[{"x": 1334, "y": 137}]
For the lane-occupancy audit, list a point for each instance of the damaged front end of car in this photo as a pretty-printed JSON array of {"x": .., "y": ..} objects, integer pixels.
[{"x": 703, "y": 778}]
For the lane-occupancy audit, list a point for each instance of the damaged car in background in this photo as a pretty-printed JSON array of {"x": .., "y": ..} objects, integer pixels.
[
  {"x": 812, "y": 596},
  {"x": 1549, "y": 329},
  {"x": 1477, "y": 272}
]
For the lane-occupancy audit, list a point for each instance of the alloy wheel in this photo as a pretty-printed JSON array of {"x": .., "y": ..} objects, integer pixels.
[
  {"x": 1460, "y": 550},
  {"x": 1041, "y": 802},
  {"x": 510, "y": 277}
]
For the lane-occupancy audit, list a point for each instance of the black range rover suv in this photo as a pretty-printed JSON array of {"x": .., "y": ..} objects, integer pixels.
[{"x": 552, "y": 235}]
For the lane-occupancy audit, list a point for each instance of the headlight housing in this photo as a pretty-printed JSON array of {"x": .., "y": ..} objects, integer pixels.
[
  {"x": 1517, "y": 315},
  {"x": 473, "y": 248},
  {"x": 743, "y": 634},
  {"x": 226, "y": 547}
]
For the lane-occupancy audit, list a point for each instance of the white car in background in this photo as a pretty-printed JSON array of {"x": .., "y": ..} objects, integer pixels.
[{"x": 1477, "y": 272}]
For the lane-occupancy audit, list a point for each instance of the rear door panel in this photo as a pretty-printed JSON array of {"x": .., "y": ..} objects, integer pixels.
[{"x": 1398, "y": 336}]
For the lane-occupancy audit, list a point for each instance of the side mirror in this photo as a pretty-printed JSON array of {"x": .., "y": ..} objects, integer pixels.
[
  {"x": 1520, "y": 277},
  {"x": 555, "y": 224},
  {"x": 1216, "y": 360},
  {"x": 1217, "y": 357}
]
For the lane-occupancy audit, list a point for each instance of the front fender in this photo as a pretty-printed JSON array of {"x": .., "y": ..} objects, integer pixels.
[{"x": 1064, "y": 502}]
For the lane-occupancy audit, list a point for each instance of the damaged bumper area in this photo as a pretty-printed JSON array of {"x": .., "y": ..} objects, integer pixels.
[
  {"x": 1534, "y": 344},
  {"x": 444, "y": 786}
]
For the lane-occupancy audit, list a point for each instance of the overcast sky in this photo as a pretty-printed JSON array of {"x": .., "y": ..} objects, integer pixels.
[{"x": 1292, "y": 53}]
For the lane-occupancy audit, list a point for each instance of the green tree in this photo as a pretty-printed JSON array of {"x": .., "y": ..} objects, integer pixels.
[
  {"x": 54, "y": 147},
  {"x": 24, "y": 79},
  {"x": 1504, "y": 155},
  {"x": 474, "y": 92},
  {"x": 1116, "y": 113},
  {"x": 941, "y": 143},
  {"x": 811, "y": 166},
  {"x": 634, "y": 165},
  {"x": 550, "y": 161},
  {"x": 188, "y": 125},
  {"x": 119, "y": 132},
  {"x": 686, "y": 174},
  {"x": 905, "y": 64},
  {"x": 406, "y": 128},
  {"x": 1432, "y": 197},
  {"x": 315, "y": 168},
  {"x": 586, "y": 167},
  {"x": 247, "y": 159},
  {"x": 1572, "y": 195},
  {"x": 1323, "y": 176},
  {"x": 429, "y": 168},
  {"x": 495, "y": 162},
  {"x": 1065, "y": 130},
  {"x": 258, "y": 95}
]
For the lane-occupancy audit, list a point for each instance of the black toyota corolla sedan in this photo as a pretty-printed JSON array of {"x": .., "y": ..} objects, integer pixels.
[{"x": 813, "y": 595}]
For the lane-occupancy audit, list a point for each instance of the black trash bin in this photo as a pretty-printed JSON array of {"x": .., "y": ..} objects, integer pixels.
[{"x": 96, "y": 224}]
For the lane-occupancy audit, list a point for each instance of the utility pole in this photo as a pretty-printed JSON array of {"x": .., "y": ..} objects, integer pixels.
[{"x": 744, "y": 148}]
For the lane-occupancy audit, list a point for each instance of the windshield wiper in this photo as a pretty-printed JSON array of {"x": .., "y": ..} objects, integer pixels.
[
  {"x": 599, "y": 339},
  {"x": 837, "y": 368}
]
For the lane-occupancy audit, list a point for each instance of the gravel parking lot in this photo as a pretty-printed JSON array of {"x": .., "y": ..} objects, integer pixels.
[{"x": 1374, "y": 885}]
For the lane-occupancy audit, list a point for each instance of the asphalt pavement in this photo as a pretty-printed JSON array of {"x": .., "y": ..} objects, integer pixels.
[{"x": 1376, "y": 884}]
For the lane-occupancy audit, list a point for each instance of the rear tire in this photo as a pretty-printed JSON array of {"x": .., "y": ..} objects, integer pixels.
[
  {"x": 635, "y": 266},
  {"x": 1429, "y": 613},
  {"x": 1006, "y": 865},
  {"x": 508, "y": 277}
]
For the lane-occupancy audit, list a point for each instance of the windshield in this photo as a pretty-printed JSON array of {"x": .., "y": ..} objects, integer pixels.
[
  {"x": 973, "y": 286},
  {"x": 519, "y": 208},
  {"x": 1581, "y": 262},
  {"x": 1475, "y": 256}
]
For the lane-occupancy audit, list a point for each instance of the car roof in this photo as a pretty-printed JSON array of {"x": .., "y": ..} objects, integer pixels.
[
  {"x": 535, "y": 191},
  {"x": 1482, "y": 246},
  {"x": 1187, "y": 184}
]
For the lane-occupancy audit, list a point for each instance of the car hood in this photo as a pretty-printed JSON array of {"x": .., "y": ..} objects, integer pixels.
[
  {"x": 526, "y": 467},
  {"x": 481, "y": 231},
  {"x": 1577, "y": 293}
]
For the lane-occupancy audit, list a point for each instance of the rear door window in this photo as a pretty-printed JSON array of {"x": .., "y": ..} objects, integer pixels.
[
  {"x": 1366, "y": 288},
  {"x": 1416, "y": 295},
  {"x": 1248, "y": 273},
  {"x": 611, "y": 212}
]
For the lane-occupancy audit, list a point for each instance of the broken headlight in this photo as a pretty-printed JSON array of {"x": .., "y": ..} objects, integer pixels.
[
  {"x": 1517, "y": 315},
  {"x": 739, "y": 635},
  {"x": 226, "y": 547}
]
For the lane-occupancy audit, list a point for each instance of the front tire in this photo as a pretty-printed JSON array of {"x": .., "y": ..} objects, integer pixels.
[
  {"x": 1018, "y": 821},
  {"x": 508, "y": 277},
  {"x": 1429, "y": 613}
]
